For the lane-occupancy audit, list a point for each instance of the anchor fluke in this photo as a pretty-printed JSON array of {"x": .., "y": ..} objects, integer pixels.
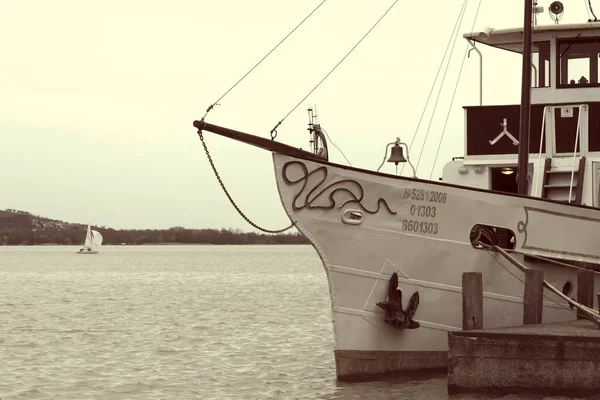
[{"x": 395, "y": 315}]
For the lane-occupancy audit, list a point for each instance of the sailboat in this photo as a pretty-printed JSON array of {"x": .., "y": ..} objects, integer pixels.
[
  {"x": 93, "y": 242},
  {"x": 381, "y": 235}
]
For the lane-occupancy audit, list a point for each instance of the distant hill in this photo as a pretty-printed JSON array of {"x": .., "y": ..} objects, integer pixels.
[
  {"x": 17, "y": 219},
  {"x": 23, "y": 228}
]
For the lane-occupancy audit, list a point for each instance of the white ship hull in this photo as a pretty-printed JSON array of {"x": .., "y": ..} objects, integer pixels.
[{"x": 420, "y": 230}]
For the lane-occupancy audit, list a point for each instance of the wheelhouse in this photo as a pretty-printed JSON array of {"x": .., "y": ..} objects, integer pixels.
[{"x": 564, "y": 137}]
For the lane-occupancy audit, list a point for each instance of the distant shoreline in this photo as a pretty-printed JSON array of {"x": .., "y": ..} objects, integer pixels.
[
  {"x": 20, "y": 228},
  {"x": 162, "y": 244}
]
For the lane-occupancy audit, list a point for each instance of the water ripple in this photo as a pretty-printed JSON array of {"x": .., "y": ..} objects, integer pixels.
[{"x": 174, "y": 322}]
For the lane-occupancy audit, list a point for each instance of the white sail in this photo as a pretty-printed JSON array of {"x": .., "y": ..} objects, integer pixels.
[
  {"x": 93, "y": 241},
  {"x": 88, "y": 239},
  {"x": 96, "y": 240}
]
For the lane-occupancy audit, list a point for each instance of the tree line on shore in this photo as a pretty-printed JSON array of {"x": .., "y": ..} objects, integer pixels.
[
  {"x": 23, "y": 228},
  {"x": 177, "y": 235}
]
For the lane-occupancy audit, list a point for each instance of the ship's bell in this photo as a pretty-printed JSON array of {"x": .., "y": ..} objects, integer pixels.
[{"x": 397, "y": 155}]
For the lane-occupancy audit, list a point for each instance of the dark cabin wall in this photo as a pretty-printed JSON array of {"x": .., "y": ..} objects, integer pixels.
[{"x": 484, "y": 124}]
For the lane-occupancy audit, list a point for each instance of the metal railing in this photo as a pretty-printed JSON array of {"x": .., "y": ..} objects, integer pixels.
[
  {"x": 581, "y": 108},
  {"x": 537, "y": 180}
]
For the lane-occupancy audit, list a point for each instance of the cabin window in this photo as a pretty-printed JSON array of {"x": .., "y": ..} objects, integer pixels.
[
  {"x": 578, "y": 62},
  {"x": 540, "y": 64}
]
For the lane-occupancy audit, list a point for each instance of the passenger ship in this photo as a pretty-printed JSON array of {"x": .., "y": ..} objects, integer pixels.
[{"x": 370, "y": 228}]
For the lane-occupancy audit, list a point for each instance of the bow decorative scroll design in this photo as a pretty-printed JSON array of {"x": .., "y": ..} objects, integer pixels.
[{"x": 356, "y": 191}]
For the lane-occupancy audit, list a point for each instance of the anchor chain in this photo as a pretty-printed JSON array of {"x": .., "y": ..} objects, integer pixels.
[{"x": 229, "y": 197}]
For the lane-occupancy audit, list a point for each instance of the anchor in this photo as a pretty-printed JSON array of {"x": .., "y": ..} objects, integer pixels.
[
  {"x": 504, "y": 132},
  {"x": 394, "y": 314}
]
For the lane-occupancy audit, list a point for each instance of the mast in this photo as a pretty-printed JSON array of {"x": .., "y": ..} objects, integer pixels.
[{"x": 525, "y": 100}]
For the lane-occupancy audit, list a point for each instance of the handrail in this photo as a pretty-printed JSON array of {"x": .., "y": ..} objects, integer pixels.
[
  {"x": 535, "y": 85},
  {"x": 537, "y": 179},
  {"x": 472, "y": 43},
  {"x": 581, "y": 107}
]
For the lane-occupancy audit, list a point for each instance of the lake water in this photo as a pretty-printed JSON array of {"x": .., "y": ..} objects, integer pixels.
[{"x": 175, "y": 322}]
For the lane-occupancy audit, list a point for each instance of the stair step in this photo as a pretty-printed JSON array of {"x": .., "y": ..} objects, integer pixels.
[
  {"x": 559, "y": 186},
  {"x": 564, "y": 199},
  {"x": 562, "y": 182},
  {"x": 552, "y": 171}
]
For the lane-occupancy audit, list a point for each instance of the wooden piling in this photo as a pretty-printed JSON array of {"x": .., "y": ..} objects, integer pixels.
[
  {"x": 585, "y": 289},
  {"x": 533, "y": 298},
  {"x": 472, "y": 301},
  {"x": 598, "y": 298}
]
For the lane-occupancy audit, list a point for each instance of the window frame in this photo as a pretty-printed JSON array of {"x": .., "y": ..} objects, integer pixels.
[
  {"x": 537, "y": 69},
  {"x": 577, "y": 40}
]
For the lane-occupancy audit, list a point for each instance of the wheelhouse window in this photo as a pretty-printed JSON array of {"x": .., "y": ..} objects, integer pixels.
[
  {"x": 540, "y": 64},
  {"x": 578, "y": 62}
]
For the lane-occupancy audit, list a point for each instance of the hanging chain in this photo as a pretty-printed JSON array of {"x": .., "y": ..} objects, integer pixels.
[{"x": 229, "y": 197}]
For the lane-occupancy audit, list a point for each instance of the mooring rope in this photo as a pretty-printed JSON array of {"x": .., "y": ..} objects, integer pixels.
[{"x": 586, "y": 312}]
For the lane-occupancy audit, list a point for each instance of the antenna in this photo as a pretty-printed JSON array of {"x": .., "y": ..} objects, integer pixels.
[
  {"x": 317, "y": 137},
  {"x": 313, "y": 124}
]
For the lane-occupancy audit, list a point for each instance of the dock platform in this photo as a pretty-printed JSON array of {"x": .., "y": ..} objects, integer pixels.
[{"x": 552, "y": 358}]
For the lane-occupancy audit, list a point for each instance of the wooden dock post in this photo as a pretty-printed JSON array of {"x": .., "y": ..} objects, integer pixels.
[
  {"x": 585, "y": 289},
  {"x": 472, "y": 301},
  {"x": 533, "y": 298}
]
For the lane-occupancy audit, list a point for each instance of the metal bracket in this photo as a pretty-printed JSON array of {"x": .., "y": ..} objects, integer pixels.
[
  {"x": 503, "y": 133},
  {"x": 352, "y": 217}
]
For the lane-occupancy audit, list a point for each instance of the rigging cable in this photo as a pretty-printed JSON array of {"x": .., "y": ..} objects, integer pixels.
[
  {"x": 587, "y": 8},
  {"x": 454, "y": 94},
  {"x": 261, "y": 60},
  {"x": 441, "y": 85},
  {"x": 434, "y": 82},
  {"x": 274, "y": 130},
  {"x": 340, "y": 150},
  {"x": 200, "y": 135},
  {"x": 592, "y": 10}
]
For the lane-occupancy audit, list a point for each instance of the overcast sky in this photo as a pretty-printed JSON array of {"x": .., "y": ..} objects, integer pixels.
[{"x": 97, "y": 99}]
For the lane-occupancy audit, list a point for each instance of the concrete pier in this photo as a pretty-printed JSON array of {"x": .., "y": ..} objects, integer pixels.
[{"x": 557, "y": 359}]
